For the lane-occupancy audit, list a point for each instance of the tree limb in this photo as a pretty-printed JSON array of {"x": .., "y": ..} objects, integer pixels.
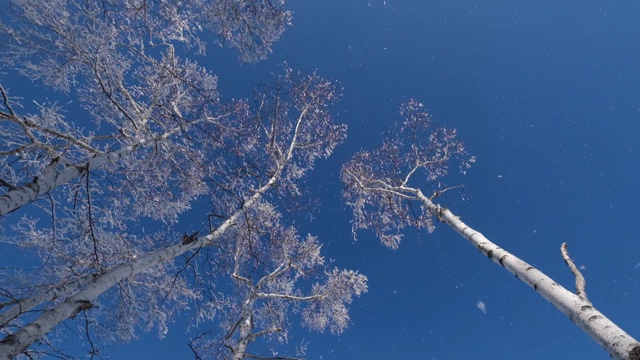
[{"x": 580, "y": 282}]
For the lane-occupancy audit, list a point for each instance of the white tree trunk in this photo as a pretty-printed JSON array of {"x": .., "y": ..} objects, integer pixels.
[
  {"x": 613, "y": 339},
  {"x": 240, "y": 349},
  {"x": 52, "y": 177},
  {"x": 24, "y": 305},
  {"x": 16, "y": 343},
  {"x": 19, "y": 341}
]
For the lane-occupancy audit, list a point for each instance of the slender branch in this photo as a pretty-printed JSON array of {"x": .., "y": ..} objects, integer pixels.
[
  {"x": 270, "y": 358},
  {"x": 275, "y": 273},
  {"x": 5, "y": 98},
  {"x": 58, "y": 134},
  {"x": 290, "y": 297},
  {"x": 94, "y": 351},
  {"x": 440, "y": 192},
  {"x": 264, "y": 332},
  {"x": 92, "y": 233},
  {"x": 386, "y": 188},
  {"x": 580, "y": 282}
]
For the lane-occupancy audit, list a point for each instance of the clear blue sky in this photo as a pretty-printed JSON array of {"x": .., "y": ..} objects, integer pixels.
[{"x": 546, "y": 96}]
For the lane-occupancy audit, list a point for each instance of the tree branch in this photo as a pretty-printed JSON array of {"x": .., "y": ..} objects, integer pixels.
[
  {"x": 580, "y": 282},
  {"x": 264, "y": 332},
  {"x": 289, "y": 297}
]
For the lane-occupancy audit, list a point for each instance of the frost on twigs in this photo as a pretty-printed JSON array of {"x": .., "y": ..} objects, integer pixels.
[
  {"x": 280, "y": 137},
  {"x": 242, "y": 159},
  {"x": 251, "y": 26},
  {"x": 130, "y": 65},
  {"x": 275, "y": 273},
  {"x": 382, "y": 184}
]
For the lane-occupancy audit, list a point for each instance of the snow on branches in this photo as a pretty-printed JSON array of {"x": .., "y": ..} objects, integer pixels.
[
  {"x": 242, "y": 159},
  {"x": 379, "y": 182},
  {"x": 119, "y": 59},
  {"x": 148, "y": 137},
  {"x": 269, "y": 266}
]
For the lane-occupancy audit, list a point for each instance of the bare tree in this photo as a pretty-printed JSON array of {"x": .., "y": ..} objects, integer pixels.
[
  {"x": 118, "y": 59},
  {"x": 269, "y": 265},
  {"x": 263, "y": 158},
  {"x": 384, "y": 191}
]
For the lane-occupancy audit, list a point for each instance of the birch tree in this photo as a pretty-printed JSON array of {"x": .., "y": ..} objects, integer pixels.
[
  {"x": 269, "y": 266},
  {"x": 385, "y": 189},
  {"x": 118, "y": 59},
  {"x": 269, "y": 150}
]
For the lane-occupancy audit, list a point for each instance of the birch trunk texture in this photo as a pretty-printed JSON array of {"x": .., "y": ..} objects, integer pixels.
[
  {"x": 240, "y": 349},
  {"x": 580, "y": 311},
  {"x": 19, "y": 341},
  {"x": 301, "y": 131},
  {"x": 24, "y": 305},
  {"x": 52, "y": 177}
]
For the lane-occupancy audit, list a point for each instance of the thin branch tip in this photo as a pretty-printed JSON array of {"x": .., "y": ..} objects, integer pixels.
[{"x": 580, "y": 282}]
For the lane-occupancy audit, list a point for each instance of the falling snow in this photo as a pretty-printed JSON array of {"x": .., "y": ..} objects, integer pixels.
[{"x": 482, "y": 306}]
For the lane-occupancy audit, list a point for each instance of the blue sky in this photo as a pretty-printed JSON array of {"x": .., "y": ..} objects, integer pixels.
[{"x": 545, "y": 94}]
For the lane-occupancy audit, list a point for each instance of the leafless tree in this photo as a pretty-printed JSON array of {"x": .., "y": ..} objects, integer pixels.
[
  {"x": 119, "y": 60},
  {"x": 264, "y": 156},
  {"x": 385, "y": 191},
  {"x": 268, "y": 266}
]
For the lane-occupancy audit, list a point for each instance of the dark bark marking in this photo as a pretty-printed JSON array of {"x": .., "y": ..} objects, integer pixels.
[
  {"x": 490, "y": 254},
  {"x": 502, "y": 259},
  {"x": 585, "y": 307},
  {"x": 9, "y": 340},
  {"x": 82, "y": 168},
  {"x": 188, "y": 239},
  {"x": 80, "y": 306}
]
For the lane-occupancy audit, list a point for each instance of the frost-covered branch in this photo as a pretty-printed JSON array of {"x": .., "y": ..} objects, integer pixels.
[
  {"x": 118, "y": 58},
  {"x": 242, "y": 193},
  {"x": 281, "y": 265},
  {"x": 289, "y": 297}
]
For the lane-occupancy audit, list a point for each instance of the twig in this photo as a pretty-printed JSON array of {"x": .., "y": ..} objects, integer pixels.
[
  {"x": 580, "y": 283},
  {"x": 440, "y": 192}
]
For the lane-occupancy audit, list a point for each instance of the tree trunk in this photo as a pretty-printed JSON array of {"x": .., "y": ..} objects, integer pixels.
[
  {"x": 613, "y": 339},
  {"x": 52, "y": 177},
  {"x": 22, "y": 306},
  {"x": 19, "y": 341},
  {"x": 240, "y": 349}
]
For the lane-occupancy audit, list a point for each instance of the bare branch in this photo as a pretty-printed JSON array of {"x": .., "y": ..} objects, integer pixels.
[
  {"x": 290, "y": 297},
  {"x": 580, "y": 282}
]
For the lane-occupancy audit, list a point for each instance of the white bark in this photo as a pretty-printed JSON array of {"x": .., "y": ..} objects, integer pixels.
[
  {"x": 613, "y": 339},
  {"x": 52, "y": 177},
  {"x": 246, "y": 325},
  {"x": 19, "y": 341},
  {"x": 16, "y": 343},
  {"x": 24, "y": 305}
]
